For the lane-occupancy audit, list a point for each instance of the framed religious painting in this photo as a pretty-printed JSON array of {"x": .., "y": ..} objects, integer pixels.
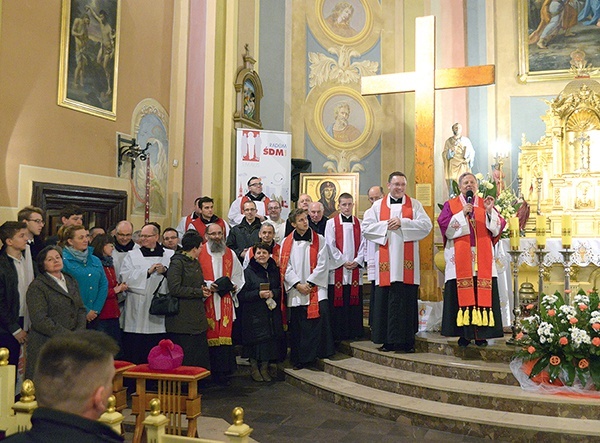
[
  {"x": 326, "y": 188},
  {"x": 557, "y": 39},
  {"x": 249, "y": 93},
  {"x": 89, "y": 55}
]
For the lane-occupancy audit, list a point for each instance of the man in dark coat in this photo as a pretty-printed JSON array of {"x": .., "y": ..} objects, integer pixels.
[
  {"x": 73, "y": 380},
  {"x": 243, "y": 236}
]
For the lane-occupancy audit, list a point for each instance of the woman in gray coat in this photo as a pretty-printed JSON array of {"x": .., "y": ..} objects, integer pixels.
[
  {"x": 54, "y": 304},
  {"x": 188, "y": 328}
]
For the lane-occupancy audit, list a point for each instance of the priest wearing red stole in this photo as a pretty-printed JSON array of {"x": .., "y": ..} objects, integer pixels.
[
  {"x": 471, "y": 226},
  {"x": 255, "y": 194},
  {"x": 203, "y": 215},
  {"x": 304, "y": 271},
  {"x": 346, "y": 243},
  {"x": 396, "y": 223},
  {"x": 217, "y": 260}
]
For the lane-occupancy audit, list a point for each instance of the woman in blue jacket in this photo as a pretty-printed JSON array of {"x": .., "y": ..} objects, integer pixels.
[{"x": 86, "y": 268}]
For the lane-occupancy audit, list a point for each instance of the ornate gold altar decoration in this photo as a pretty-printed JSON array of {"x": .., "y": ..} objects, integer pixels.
[{"x": 560, "y": 173}]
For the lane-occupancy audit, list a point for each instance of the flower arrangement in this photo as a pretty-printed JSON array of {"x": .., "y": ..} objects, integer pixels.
[{"x": 564, "y": 339}]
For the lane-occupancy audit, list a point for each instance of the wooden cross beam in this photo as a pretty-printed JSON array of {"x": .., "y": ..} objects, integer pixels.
[{"x": 424, "y": 82}]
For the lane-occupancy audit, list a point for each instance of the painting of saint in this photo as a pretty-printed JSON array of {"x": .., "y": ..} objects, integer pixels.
[
  {"x": 342, "y": 128},
  {"x": 249, "y": 99},
  {"x": 343, "y": 19},
  {"x": 327, "y": 196}
]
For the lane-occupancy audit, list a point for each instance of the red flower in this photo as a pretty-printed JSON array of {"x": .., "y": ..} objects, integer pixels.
[
  {"x": 582, "y": 306},
  {"x": 529, "y": 306},
  {"x": 551, "y": 312},
  {"x": 519, "y": 336},
  {"x": 555, "y": 360},
  {"x": 563, "y": 341},
  {"x": 596, "y": 341},
  {"x": 583, "y": 363},
  {"x": 531, "y": 349},
  {"x": 567, "y": 291},
  {"x": 573, "y": 320},
  {"x": 596, "y": 326}
]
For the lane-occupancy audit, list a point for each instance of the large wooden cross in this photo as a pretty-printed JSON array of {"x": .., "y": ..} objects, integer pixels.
[{"x": 424, "y": 81}]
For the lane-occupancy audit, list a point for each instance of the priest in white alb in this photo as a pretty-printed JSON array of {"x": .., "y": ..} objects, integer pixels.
[
  {"x": 144, "y": 270},
  {"x": 216, "y": 261},
  {"x": 396, "y": 223},
  {"x": 304, "y": 269},
  {"x": 346, "y": 244}
]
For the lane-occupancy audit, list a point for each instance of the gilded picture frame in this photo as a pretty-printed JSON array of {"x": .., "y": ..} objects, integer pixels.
[
  {"x": 89, "y": 56},
  {"x": 318, "y": 186},
  {"x": 551, "y": 42}
]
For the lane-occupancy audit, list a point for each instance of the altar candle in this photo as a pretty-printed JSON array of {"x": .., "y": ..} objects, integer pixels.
[
  {"x": 540, "y": 231},
  {"x": 513, "y": 232},
  {"x": 567, "y": 225}
]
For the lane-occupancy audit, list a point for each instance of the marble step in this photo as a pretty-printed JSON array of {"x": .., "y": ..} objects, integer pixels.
[
  {"x": 496, "y": 351},
  {"x": 440, "y": 365},
  {"x": 459, "y": 419},
  {"x": 460, "y": 392}
]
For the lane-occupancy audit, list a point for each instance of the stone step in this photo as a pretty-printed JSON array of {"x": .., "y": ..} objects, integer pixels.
[
  {"x": 460, "y": 392},
  {"x": 440, "y": 365},
  {"x": 496, "y": 351},
  {"x": 482, "y": 423}
]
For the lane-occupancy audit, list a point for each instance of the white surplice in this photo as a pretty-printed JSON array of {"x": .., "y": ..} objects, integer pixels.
[
  {"x": 413, "y": 230},
  {"x": 134, "y": 272},
  {"x": 298, "y": 271},
  {"x": 338, "y": 258}
]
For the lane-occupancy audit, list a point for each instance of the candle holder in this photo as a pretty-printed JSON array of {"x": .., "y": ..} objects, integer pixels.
[
  {"x": 516, "y": 326},
  {"x": 567, "y": 253},
  {"x": 540, "y": 253}
]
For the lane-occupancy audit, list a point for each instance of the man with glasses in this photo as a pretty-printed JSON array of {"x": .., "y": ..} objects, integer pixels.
[
  {"x": 244, "y": 235},
  {"x": 170, "y": 239},
  {"x": 144, "y": 270},
  {"x": 255, "y": 194},
  {"x": 275, "y": 220},
  {"x": 123, "y": 243},
  {"x": 34, "y": 219}
]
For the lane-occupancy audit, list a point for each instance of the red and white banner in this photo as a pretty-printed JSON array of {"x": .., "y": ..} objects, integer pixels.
[{"x": 268, "y": 155}]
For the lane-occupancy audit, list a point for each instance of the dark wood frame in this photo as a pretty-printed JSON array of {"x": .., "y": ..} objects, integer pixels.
[{"x": 107, "y": 206}]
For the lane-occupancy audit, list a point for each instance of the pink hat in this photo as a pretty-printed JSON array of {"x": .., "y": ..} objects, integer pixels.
[{"x": 166, "y": 356}]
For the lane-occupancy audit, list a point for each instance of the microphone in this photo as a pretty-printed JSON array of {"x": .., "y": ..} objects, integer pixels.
[{"x": 469, "y": 196}]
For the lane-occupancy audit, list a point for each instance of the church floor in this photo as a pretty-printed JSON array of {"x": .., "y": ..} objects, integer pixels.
[{"x": 279, "y": 412}]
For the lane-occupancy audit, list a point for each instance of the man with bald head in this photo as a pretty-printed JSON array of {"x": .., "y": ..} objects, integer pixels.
[
  {"x": 316, "y": 217},
  {"x": 144, "y": 270},
  {"x": 303, "y": 201},
  {"x": 123, "y": 243}
]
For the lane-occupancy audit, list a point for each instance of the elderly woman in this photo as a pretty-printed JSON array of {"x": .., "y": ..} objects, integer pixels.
[
  {"x": 86, "y": 268},
  {"x": 262, "y": 329},
  {"x": 186, "y": 282},
  {"x": 54, "y": 304},
  {"x": 108, "y": 319}
]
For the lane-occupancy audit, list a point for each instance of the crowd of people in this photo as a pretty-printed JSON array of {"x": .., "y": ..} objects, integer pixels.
[{"x": 256, "y": 280}]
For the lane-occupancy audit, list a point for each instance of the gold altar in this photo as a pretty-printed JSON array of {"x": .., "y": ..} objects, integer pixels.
[{"x": 560, "y": 174}]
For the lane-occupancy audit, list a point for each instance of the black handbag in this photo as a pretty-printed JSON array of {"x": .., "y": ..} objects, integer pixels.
[{"x": 164, "y": 304}]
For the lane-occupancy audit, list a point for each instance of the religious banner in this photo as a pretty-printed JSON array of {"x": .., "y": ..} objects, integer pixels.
[{"x": 267, "y": 155}]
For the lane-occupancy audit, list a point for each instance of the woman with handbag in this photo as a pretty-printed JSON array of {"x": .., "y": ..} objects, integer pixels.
[
  {"x": 260, "y": 299},
  {"x": 108, "y": 319},
  {"x": 188, "y": 327}
]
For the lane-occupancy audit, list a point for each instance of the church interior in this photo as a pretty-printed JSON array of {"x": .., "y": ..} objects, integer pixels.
[{"x": 532, "y": 117}]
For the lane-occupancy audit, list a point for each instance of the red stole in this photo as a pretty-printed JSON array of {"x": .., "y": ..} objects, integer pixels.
[
  {"x": 288, "y": 242},
  {"x": 199, "y": 225},
  {"x": 245, "y": 199},
  {"x": 275, "y": 253},
  {"x": 219, "y": 332},
  {"x": 409, "y": 246},
  {"x": 338, "y": 299},
  {"x": 484, "y": 255}
]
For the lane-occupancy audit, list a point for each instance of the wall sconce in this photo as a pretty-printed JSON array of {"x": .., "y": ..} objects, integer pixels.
[{"x": 128, "y": 147}]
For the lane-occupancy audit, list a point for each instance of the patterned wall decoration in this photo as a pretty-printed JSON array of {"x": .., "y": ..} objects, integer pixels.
[{"x": 343, "y": 128}]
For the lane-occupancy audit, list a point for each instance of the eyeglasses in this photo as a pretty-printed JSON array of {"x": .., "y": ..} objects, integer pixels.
[
  {"x": 170, "y": 238},
  {"x": 256, "y": 184},
  {"x": 39, "y": 221}
]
